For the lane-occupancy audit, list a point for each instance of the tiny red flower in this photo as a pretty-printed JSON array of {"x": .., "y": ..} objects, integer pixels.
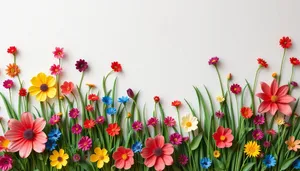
[
  {"x": 235, "y": 89},
  {"x": 294, "y": 61},
  {"x": 22, "y": 92},
  {"x": 285, "y": 42},
  {"x": 93, "y": 97},
  {"x": 271, "y": 132},
  {"x": 12, "y": 50},
  {"x": 89, "y": 123},
  {"x": 176, "y": 103},
  {"x": 156, "y": 99},
  {"x": 113, "y": 129},
  {"x": 116, "y": 66},
  {"x": 262, "y": 62},
  {"x": 89, "y": 108}
]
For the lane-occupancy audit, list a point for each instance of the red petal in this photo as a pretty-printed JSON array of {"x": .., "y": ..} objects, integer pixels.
[
  {"x": 15, "y": 125},
  {"x": 120, "y": 164},
  {"x": 147, "y": 152},
  {"x": 285, "y": 109},
  {"x": 25, "y": 149},
  {"x": 13, "y": 135},
  {"x": 283, "y": 90},
  {"x": 27, "y": 120},
  {"x": 168, "y": 160},
  {"x": 265, "y": 88},
  {"x": 38, "y": 147},
  {"x": 38, "y": 125},
  {"x": 149, "y": 162},
  {"x": 274, "y": 87},
  {"x": 263, "y": 96},
  {"x": 286, "y": 99},
  {"x": 273, "y": 108},
  {"x": 220, "y": 144},
  {"x": 160, "y": 141},
  {"x": 264, "y": 107},
  {"x": 168, "y": 149},
  {"x": 159, "y": 164},
  {"x": 17, "y": 145},
  {"x": 41, "y": 137}
]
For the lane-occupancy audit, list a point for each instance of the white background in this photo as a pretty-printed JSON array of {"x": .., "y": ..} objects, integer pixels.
[{"x": 163, "y": 46}]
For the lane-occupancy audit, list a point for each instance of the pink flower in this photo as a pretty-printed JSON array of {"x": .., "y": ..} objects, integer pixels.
[
  {"x": 55, "y": 69},
  {"x": 235, "y": 89},
  {"x": 8, "y": 84},
  {"x": 275, "y": 98},
  {"x": 137, "y": 126},
  {"x": 67, "y": 87},
  {"x": 259, "y": 120},
  {"x": 170, "y": 121},
  {"x": 219, "y": 114},
  {"x": 152, "y": 122},
  {"x": 59, "y": 53},
  {"x": 74, "y": 113},
  {"x": 85, "y": 143},
  {"x": 183, "y": 159},
  {"x": 271, "y": 132},
  {"x": 76, "y": 157},
  {"x": 123, "y": 158},
  {"x": 6, "y": 162},
  {"x": 175, "y": 139},
  {"x": 257, "y": 134},
  {"x": 267, "y": 144},
  {"x": 54, "y": 119},
  {"x": 157, "y": 153},
  {"x": 100, "y": 120},
  {"x": 213, "y": 61},
  {"x": 223, "y": 137},
  {"x": 76, "y": 129},
  {"x": 26, "y": 135}
]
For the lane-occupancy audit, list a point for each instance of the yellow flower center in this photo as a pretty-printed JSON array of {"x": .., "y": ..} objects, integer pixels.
[
  {"x": 44, "y": 87},
  {"x": 124, "y": 156},
  {"x": 101, "y": 157},
  {"x": 274, "y": 98},
  {"x": 188, "y": 124},
  {"x": 222, "y": 137}
]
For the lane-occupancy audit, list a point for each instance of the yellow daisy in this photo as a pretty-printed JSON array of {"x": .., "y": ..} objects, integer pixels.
[
  {"x": 252, "y": 149},
  {"x": 279, "y": 120},
  {"x": 220, "y": 99},
  {"x": 100, "y": 157},
  {"x": 217, "y": 154},
  {"x": 189, "y": 123},
  {"x": 42, "y": 87},
  {"x": 58, "y": 159}
]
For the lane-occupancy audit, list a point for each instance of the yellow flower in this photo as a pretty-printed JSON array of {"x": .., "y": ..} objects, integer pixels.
[
  {"x": 128, "y": 115},
  {"x": 100, "y": 157},
  {"x": 90, "y": 85},
  {"x": 217, "y": 154},
  {"x": 274, "y": 74},
  {"x": 229, "y": 76},
  {"x": 252, "y": 149},
  {"x": 279, "y": 120},
  {"x": 61, "y": 97},
  {"x": 42, "y": 87},
  {"x": 58, "y": 159},
  {"x": 220, "y": 99},
  {"x": 189, "y": 123},
  {"x": 12, "y": 70}
]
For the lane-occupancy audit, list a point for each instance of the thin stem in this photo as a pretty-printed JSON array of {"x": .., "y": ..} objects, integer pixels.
[
  {"x": 244, "y": 162},
  {"x": 281, "y": 66},
  {"x": 255, "y": 79},
  {"x": 10, "y": 97},
  {"x": 15, "y": 61},
  {"x": 179, "y": 124},
  {"x": 82, "y": 75},
  {"x": 220, "y": 80},
  {"x": 20, "y": 82},
  {"x": 291, "y": 78},
  {"x": 237, "y": 105},
  {"x": 58, "y": 93}
]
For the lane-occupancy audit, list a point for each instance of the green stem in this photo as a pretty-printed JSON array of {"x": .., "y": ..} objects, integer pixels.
[
  {"x": 179, "y": 122},
  {"x": 15, "y": 61},
  {"x": 281, "y": 66},
  {"x": 220, "y": 80},
  {"x": 244, "y": 162},
  {"x": 255, "y": 79},
  {"x": 82, "y": 75},
  {"x": 20, "y": 82},
  {"x": 10, "y": 97},
  {"x": 58, "y": 93}
]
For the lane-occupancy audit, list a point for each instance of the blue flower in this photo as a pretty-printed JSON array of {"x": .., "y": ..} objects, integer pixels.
[
  {"x": 111, "y": 111},
  {"x": 54, "y": 134},
  {"x": 50, "y": 144},
  {"x": 296, "y": 164},
  {"x": 137, "y": 147},
  {"x": 107, "y": 100},
  {"x": 205, "y": 163},
  {"x": 123, "y": 99},
  {"x": 269, "y": 161}
]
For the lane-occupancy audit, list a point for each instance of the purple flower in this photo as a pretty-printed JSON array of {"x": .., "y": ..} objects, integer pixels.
[
  {"x": 85, "y": 143},
  {"x": 130, "y": 93},
  {"x": 294, "y": 84},
  {"x": 137, "y": 126},
  {"x": 6, "y": 162},
  {"x": 219, "y": 114},
  {"x": 175, "y": 139},
  {"x": 81, "y": 65},
  {"x": 183, "y": 159},
  {"x": 259, "y": 120},
  {"x": 257, "y": 134},
  {"x": 76, "y": 157},
  {"x": 74, "y": 113},
  {"x": 8, "y": 84},
  {"x": 213, "y": 61},
  {"x": 152, "y": 121},
  {"x": 76, "y": 129},
  {"x": 267, "y": 144},
  {"x": 100, "y": 120}
]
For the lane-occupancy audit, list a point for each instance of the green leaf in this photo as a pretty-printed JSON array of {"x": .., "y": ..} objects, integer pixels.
[
  {"x": 288, "y": 162},
  {"x": 196, "y": 142},
  {"x": 248, "y": 166},
  {"x": 219, "y": 164}
]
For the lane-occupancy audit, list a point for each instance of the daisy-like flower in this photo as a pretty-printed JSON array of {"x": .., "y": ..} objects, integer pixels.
[
  {"x": 55, "y": 69},
  {"x": 285, "y": 42},
  {"x": 54, "y": 134},
  {"x": 113, "y": 129},
  {"x": 59, "y": 159},
  {"x": 257, "y": 134},
  {"x": 267, "y": 144},
  {"x": 189, "y": 123},
  {"x": 59, "y": 53},
  {"x": 12, "y": 50},
  {"x": 51, "y": 145},
  {"x": 223, "y": 137},
  {"x": 152, "y": 121},
  {"x": 296, "y": 164},
  {"x": 246, "y": 112},
  {"x": 54, "y": 119},
  {"x": 123, "y": 99},
  {"x": 89, "y": 123},
  {"x": 213, "y": 61},
  {"x": 4, "y": 143},
  {"x": 252, "y": 149},
  {"x": 81, "y": 65},
  {"x": 100, "y": 119},
  {"x": 271, "y": 132},
  {"x": 262, "y": 63},
  {"x": 22, "y": 92},
  {"x": 67, "y": 88},
  {"x": 90, "y": 85},
  {"x": 156, "y": 99},
  {"x": 8, "y": 84},
  {"x": 12, "y": 70},
  {"x": 293, "y": 144},
  {"x": 205, "y": 163},
  {"x": 6, "y": 162},
  {"x": 85, "y": 143},
  {"x": 116, "y": 66},
  {"x": 76, "y": 157},
  {"x": 137, "y": 126},
  {"x": 43, "y": 86},
  {"x": 100, "y": 156},
  {"x": 176, "y": 103},
  {"x": 269, "y": 161},
  {"x": 175, "y": 139},
  {"x": 93, "y": 97},
  {"x": 219, "y": 114},
  {"x": 235, "y": 89},
  {"x": 137, "y": 147},
  {"x": 107, "y": 100},
  {"x": 89, "y": 108},
  {"x": 294, "y": 61},
  {"x": 217, "y": 154},
  {"x": 220, "y": 99},
  {"x": 76, "y": 129},
  {"x": 169, "y": 121},
  {"x": 279, "y": 120},
  {"x": 259, "y": 120},
  {"x": 74, "y": 113},
  {"x": 123, "y": 158},
  {"x": 183, "y": 159},
  {"x": 111, "y": 111}
]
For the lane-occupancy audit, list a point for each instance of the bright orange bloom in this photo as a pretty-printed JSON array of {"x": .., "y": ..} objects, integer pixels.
[
  {"x": 113, "y": 129},
  {"x": 293, "y": 144},
  {"x": 4, "y": 143},
  {"x": 176, "y": 103},
  {"x": 12, "y": 70},
  {"x": 89, "y": 123},
  {"x": 246, "y": 112}
]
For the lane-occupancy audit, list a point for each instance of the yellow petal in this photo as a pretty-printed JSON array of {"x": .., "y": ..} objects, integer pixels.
[
  {"x": 66, "y": 156},
  {"x": 50, "y": 81},
  {"x": 42, "y": 96},
  {"x": 61, "y": 152},
  {"x": 53, "y": 157},
  {"x": 51, "y": 92},
  {"x": 55, "y": 153},
  {"x": 36, "y": 82},
  {"x": 64, "y": 163},
  {"x": 34, "y": 90},
  {"x": 100, "y": 164},
  {"x": 54, "y": 163},
  {"x": 59, "y": 166},
  {"x": 42, "y": 77},
  {"x": 98, "y": 151},
  {"x": 104, "y": 151},
  {"x": 106, "y": 159},
  {"x": 94, "y": 158}
]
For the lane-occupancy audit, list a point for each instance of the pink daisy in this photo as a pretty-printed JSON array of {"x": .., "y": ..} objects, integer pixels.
[
  {"x": 219, "y": 114},
  {"x": 152, "y": 122},
  {"x": 183, "y": 159},
  {"x": 6, "y": 162},
  {"x": 257, "y": 134},
  {"x": 137, "y": 126},
  {"x": 76, "y": 129},
  {"x": 175, "y": 139},
  {"x": 85, "y": 143},
  {"x": 235, "y": 89},
  {"x": 170, "y": 121},
  {"x": 100, "y": 120},
  {"x": 8, "y": 84},
  {"x": 74, "y": 113},
  {"x": 213, "y": 61},
  {"x": 259, "y": 120},
  {"x": 55, "y": 69},
  {"x": 59, "y": 53},
  {"x": 54, "y": 119}
]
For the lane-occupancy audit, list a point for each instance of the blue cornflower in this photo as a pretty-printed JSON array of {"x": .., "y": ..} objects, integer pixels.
[
  {"x": 123, "y": 99},
  {"x": 137, "y": 147},
  {"x": 205, "y": 163},
  {"x": 50, "y": 145},
  {"x": 111, "y": 111},
  {"x": 54, "y": 134},
  {"x": 107, "y": 100},
  {"x": 269, "y": 161},
  {"x": 296, "y": 164}
]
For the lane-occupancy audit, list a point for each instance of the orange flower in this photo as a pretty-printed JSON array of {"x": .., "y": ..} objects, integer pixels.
[
  {"x": 176, "y": 103},
  {"x": 89, "y": 123},
  {"x": 292, "y": 143},
  {"x": 12, "y": 70},
  {"x": 4, "y": 143},
  {"x": 246, "y": 112},
  {"x": 113, "y": 129}
]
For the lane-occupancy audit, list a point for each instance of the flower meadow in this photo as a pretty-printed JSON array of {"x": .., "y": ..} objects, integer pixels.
[{"x": 70, "y": 129}]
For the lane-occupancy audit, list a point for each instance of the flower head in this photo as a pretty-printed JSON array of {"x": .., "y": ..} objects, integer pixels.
[
  {"x": 267, "y": 144},
  {"x": 137, "y": 126},
  {"x": 55, "y": 69},
  {"x": 235, "y": 89},
  {"x": 107, "y": 100},
  {"x": 293, "y": 144},
  {"x": 262, "y": 63},
  {"x": 81, "y": 65},
  {"x": 130, "y": 93},
  {"x": 100, "y": 119},
  {"x": 6, "y": 162},
  {"x": 116, "y": 66},
  {"x": 152, "y": 121},
  {"x": 294, "y": 84},
  {"x": 156, "y": 99},
  {"x": 12, "y": 50},
  {"x": 279, "y": 120},
  {"x": 246, "y": 112},
  {"x": 58, "y": 53},
  {"x": 67, "y": 88},
  {"x": 189, "y": 123},
  {"x": 217, "y": 154},
  {"x": 23, "y": 92},
  {"x": 89, "y": 123},
  {"x": 259, "y": 120},
  {"x": 257, "y": 134},
  {"x": 205, "y": 163},
  {"x": 59, "y": 158},
  {"x": 274, "y": 74},
  {"x": 111, "y": 111},
  {"x": 43, "y": 86},
  {"x": 229, "y": 76},
  {"x": 12, "y": 70},
  {"x": 90, "y": 85},
  {"x": 296, "y": 164},
  {"x": 175, "y": 139},
  {"x": 113, "y": 129},
  {"x": 76, "y": 129},
  {"x": 223, "y": 137},
  {"x": 54, "y": 134},
  {"x": 176, "y": 103},
  {"x": 93, "y": 97},
  {"x": 4, "y": 143},
  {"x": 252, "y": 149},
  {"x": 8, "y": 84},
  {"x": 294, "y": 61},
  {"x": 123, "y": 158},
  {"x": 285, "y": 42},
  {"x": 271, "y": 132},
  {"x": 183, "y": 159},
  {"x": 76, "y": 157},
  {"x": 100, "y": 156},
  {"x": 74, "y": 113},
  {"x": 137, "y": 147},
  {"x": 169, "y": 121},
  {"x": 51, "y": 144},
  {"x": 85, "y": 143},
  {"x": 213, "y": 61},
  {"x": 219, "y": 114},
  {"x": 123, "y": 99},
  {"x": 89, "y": 108},
  {"x": 269, "y": 161},
  {"x": 54, "y": 119},
  {"x": 220, "y": 99}
]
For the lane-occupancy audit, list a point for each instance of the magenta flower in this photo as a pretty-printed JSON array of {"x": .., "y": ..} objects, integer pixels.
[
  {"x": 76, "y": 129},
  {"x": 294, "y": 84},
  {"x": 74, "y": 113},
  {"x": 213, "y": 61},
  {"x": 54, "y": 119},
  {"x": 100, "y": 120},
  {"x": 152, "y": 121},
  {"x": 183, "y": 159},
  {"x": 175, "y": 139},
  {"x": 185, "y": 139},
  {"x": 137, "y": 126},
  {"x": 76, "y": 157},
  {"x": 81, "y": 65},
  {"x": 8, "y": 84},
  {"x": 257, "y": 134},
  {"x": 85, "y": 143},
  {"x": 6, "y": 162},
  {"x": 259, "y": 120},
  {"x": 219, "y": 114},
  {"x": 130, "y": 93},
  {"x": 59, "y": 53},
  {"x": 55, "y": 69},
  {"x": 170, "y": 121},
  {"x": 235, "y": 89},
  {"x": 267, "y": 144}
]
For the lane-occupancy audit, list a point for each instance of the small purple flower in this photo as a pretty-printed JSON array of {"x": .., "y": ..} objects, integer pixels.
[
  {"x": 294, "y": 84},
  {"x": 213, "y": 61},
  {"x": 81, "y": 65},
  {"x": 267, "y": 144},
  {"x": 74, "y": 113},
  {"x": 100, "y": 120},
  {"x": 152, "y": 121},
  {"x": 259, "y": 120},
  {"x": 137, "y": 126},
  {"x": 85, "y": 143},
  {"x": 76, "y": 157},
  {"x": 130, "y": 93},
  {"x": 8, "y": 84},
  {"x": 219, "y": 114},
  {"x": 257, "y": 134},
  {"x": 175, "y": 139},
  {"x": 183, "y": 159},
  {"x": 76, "y": 129}
]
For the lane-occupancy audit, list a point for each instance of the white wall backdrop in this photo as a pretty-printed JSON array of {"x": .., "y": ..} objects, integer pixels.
[{"x": 163, "y": 46}]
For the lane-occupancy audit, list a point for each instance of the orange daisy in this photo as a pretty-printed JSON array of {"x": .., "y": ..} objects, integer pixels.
[
  {"x": 246, "y": 112},
  {"x": 12, "y": 70}
]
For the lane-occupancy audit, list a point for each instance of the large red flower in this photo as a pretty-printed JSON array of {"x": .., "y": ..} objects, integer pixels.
[
  {"x": 294, "y": 61},
  {"x": 223, "y": 137},
  {"x": 26, "y": 135},
  {"x": 157, "y": 153},
  {"x": 275, "y": 98},
  {"x": 113, "y": 129},
  {"x": 285, "y": 42}
]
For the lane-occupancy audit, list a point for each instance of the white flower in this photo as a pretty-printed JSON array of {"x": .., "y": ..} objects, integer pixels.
[{"x": 189, "y": 123}]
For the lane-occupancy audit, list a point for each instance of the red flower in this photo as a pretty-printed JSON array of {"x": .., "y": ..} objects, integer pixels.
[
  {"x": 93, "y": 97},
  {"x": 67, "y": 87},
  {"x": 89, "y": 123},
  {"x": 246, "y": 112},
  {"x": 59, "y": 53},
  {"x": 12, "y": 50},
  {"x": 156, "y": 99},
  {"x": 113, "y": 129},
  {"x": 285, "y": 42},
  {"x": 89, "y": 108},
  {"x": 294, "y": 61},
  {"x": 176, "y": 103},
  {"x": 262, "y": 62},
  {"x": 223, "y": 137},
  {"x": 271, "y": 132},
  {"x": 22, "y": 92},
  {"x": 116, "y": 66},
  {"x": 123, "y": 158},
  {"x": 235, "y": 89}
]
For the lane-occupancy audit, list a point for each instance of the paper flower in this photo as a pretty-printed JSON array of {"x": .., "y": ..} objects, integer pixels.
[
  {"x": 113, "y": 129},
  {"x": 93, "y": 97},
  {"x": 219, "y": 114},
  {"x": 189, "y": 123},
  {"x": 213, "y": 61},
  {"x": 6, "y": 162},
  {"x": 123, "y": 158},
  {"x": 216, "y": 154},
  {"x": 183, "y": 159},
  {"x": 8, "y": 84},
  {"x": 107, "y": 100},
  {"x": 252, "y": 149},
  {"x": 153, "y": 121},
  {"x": 54, "y": 134},
  {"x": 235, "y": 89},
  {"x": 262, "y": 63},
  {"x": 51, "y": 145},
  {"x": 205, "y": 163},
  {"x": 285, "y": 42},
  {"x": 169, "y": 121},
  {"x": 76, "y": 129},
  {"x": 137, "y": 147},
  {"x": 100, "y": 119},
  {"x": 4, "y": 143},
  {"x": 74, "y": 113},
  {"x": 223, "y": 137},
  {"x": 59, "y": 53},
  {"x": 130, "y": 93},
  {"x": 12, "y": 50},
  {"x": 257, "y": 134},
  {"x": 137, "y": 126},
  {"x": 85, "y": 143},
  {"x": 100, "y": 157},
  {"x": 293, "y": 144},
  {"x": 76, "y": 157},
  {"x": 43, "y": 86},
  {"x": 269, "y": 161},
  {"x": 89, "y": 108},
  {"x": 296, "y": 164},
  {"x": 54, "y": 119},
  {"x": 259, "y": 120},
  {"x": 123, "y": 99},
  {"x": 81, "y": 65},
  {"x": 116, "y": 66},
  {"x": 156, "y": 99},
  {"x": 176, "y": 103},
  {"x": 58, "y": 159},
  {"x": 12, "y": 70},
  {"x": 67, "y": 88},
  {"x": 111, "y": 111},
  {"x": 55, "y": 69},
  {"x": 294, "y": 61},
  {"x": 246, "y": 112},
  {"x": 175, "y": 139},
  {"x": 89, "y": 123},
  {"x": 220, "y": 99},
  {"x": 22, "y": 92}
]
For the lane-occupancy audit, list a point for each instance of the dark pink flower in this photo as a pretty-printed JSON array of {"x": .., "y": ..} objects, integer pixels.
[
  {"x": 74, "y": 113},
  {"x": 213, "y": 61},
  {"x": 6, "y": 162},
  {"x": 59, "y": 53},
  {"x": 271, "y": 132},
  {"x": 54, "y": 119},
  {"x": 8, "y": 84},
  {"x": 235, "y": 89},
  {"x": 85, "y": 143},
  {"x": 185, "y": 139},
  {"x": 259, "y": 120},
  {"x": 183, "y": 159},
  {"x": 137, "y": 126},
  {"x": 219, "y": 114},
  {"x": 76, "y": 157},
  {"x": 152, "y": 121},
  {"x": 76, "y": 129},
  {"x": 170, "y": 121},
  {"x": 257, "y": 134},
  {"x": 130, "y": 93},
  {"x": 267, "y": 144},
  {"x": 100, "y": 120},
  {"x": 55, "y": 69},
  {"x": 81, "y": 65},
  {"x": 175, "y": 139},
  {"x": 294, "y": 84}
]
